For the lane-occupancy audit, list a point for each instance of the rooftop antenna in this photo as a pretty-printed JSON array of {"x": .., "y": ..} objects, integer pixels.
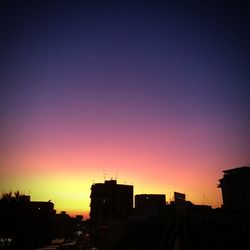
[
  {"x": 203, "y": 201},
  {"x": 104, "y": 175},
  {"x": 207, "y": 202},
  {"x": 116, "y": 175}
]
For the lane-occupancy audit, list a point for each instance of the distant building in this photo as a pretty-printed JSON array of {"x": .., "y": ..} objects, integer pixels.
[
  {"x": 179, "y": 198},
  {"x": 235, "y": 186},
  {"x": 43, "y": 206},
  {"x": 24, "y": 198},
  {"x": 149, "y": 204}
]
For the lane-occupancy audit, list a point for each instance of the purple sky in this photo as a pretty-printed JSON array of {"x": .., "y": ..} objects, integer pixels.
[{"x": 145, "y": 59}]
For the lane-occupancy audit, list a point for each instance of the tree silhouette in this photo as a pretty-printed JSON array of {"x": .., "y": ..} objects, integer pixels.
[{"x": 7, "y": 196}]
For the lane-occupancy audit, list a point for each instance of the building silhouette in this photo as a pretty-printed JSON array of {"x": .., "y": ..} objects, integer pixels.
[
  {"x": 179, "y": 198},
  {"x": 110, "y": 208},
  {"x": 110, "y": 201},
  {"x": 149, "y": 204},
  {"x": 29, "y": 225},
  {"x": 26, "y": 224},
  {"x": 143, "y": 201},
  {"x": 235, "y": 186}
]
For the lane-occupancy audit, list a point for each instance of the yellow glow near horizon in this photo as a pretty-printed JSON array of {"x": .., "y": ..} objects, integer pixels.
[
  {"x": 71, "y": 193},
  {"x": 68, "y": 193},
  {"x": 69, "y": 187}
]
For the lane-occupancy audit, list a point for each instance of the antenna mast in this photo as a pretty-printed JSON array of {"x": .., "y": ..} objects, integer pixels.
[{"x": 104, "y": 175}]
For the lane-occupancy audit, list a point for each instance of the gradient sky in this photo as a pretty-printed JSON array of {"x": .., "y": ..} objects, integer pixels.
[{"x": 154, "y": 94}]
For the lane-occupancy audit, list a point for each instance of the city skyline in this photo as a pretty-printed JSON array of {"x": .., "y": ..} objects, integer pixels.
[
  {"x": 116, "y": 223},
  {"x": 154, "y": 94}
]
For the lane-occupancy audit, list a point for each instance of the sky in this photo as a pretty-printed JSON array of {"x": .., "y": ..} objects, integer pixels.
[{"x": 153, "y": 94}]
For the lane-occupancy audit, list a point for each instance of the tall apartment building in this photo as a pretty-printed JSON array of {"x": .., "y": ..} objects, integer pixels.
[
  {"x": 235, "y": 186},
  {"x": 110, "y": 201},
  {"x": 110, "y": 208}
]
